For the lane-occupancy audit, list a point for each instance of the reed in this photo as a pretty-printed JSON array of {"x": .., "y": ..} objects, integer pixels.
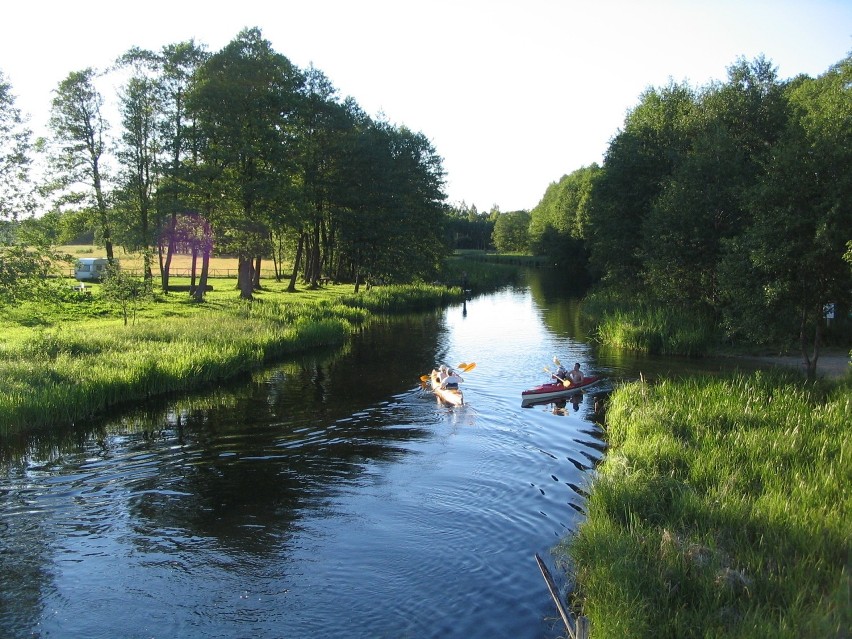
[
  {"x": 656, "y": 331},
  {"x": 403, "y": 298},
  {"x": 722, "y": 509}
]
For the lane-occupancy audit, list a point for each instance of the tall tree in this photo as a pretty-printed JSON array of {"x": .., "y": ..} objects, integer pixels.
[
  {"x": 734, "y": 127},
  {"x": 638, "y": 161},
  {"x": 242, "y": 99},
  {"x": 322, "y": 123},
  {"x": 79, "y": 131},
  {"x": 511, "y": 231},
  {"x": 558, "y": 224},
  {"x": 139, "y": 160},
  {"x": 15, "y": 157},
  {"x": 793, "y": 251},
  {"x": 167, "y": 75}
]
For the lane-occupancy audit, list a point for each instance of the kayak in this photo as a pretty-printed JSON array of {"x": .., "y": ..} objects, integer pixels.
[
  {"x": 557, "y": 389},
  {"x": 449, "y": 395}
]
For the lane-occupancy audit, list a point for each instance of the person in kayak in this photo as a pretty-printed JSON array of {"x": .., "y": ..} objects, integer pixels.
[
  {"x": 575, "y": 376},
  {"x": 452, "y": 380}
]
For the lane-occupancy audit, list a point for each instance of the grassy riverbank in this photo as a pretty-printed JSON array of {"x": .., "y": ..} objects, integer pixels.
[
  {"x": 722, "y": 510},
  {"x": 64, "y": 362}
]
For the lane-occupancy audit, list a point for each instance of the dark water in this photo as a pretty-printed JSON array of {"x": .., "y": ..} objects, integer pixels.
[{"x": 327, "y": 497}]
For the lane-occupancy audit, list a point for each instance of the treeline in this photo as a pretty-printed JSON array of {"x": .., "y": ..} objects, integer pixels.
[
  {"x": 732, "y": 203},
  {"x": 238, "y": 152}
]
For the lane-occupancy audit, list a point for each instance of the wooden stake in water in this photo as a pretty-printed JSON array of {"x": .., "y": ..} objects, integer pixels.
[{"x": 578, "y": 631}]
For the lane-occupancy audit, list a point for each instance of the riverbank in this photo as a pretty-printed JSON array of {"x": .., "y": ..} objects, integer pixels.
[
  {"x": 832, "y": 364},
  {"x": 722, "y": 509},
  {"x": 70, "y": 362}
]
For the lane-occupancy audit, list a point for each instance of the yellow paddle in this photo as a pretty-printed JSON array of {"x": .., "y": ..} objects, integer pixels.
[
  {"x": 565, "y": 382},
  {"x": 464, "y": 368}
]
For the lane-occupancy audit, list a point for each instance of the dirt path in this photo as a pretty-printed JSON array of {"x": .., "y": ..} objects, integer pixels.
[{"x": 833, "y": 365}]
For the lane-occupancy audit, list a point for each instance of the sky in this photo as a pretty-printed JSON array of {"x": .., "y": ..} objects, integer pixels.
[{"x": 512, "y": 94}]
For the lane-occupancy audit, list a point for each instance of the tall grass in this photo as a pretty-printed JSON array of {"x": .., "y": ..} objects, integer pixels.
[
  {"x": 657, "y": 331},
  {"x": 54, "y": 376},
  {"x": 722, "y": 510},
  {"x": 403, "y": 298}
]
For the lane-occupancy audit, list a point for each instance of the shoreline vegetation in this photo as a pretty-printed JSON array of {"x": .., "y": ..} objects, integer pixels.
[
  {"x": 721, "y": 509},
  {"x": 63, "y": 365},
  {"x": 75, "y": 358}
]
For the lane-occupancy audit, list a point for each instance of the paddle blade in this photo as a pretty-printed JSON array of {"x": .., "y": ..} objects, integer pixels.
[
  {"x": 424, "y": 378},
  {"x": 556, "y": 361},
  {"x": 467, "y": 367}
]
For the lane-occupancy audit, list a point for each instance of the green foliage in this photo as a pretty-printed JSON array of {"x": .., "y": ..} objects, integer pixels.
[
  {"x": 468, "y": 229},
  {"x": 790, "y": 259},
  {"x": 657, "y": 331},
  {"x": 27, "y": 273},
  {"x": 511, "y": 232},
  {"x": 729, "y": 203},
  {"x": 15, "y": 157},
  {"x": 721, "y": 510},
  {"x": 125, "y": 290},
  {"x": 656, "y": 135},
  {"x": 558, "y": 224},
  {"x": 56, "y": 376}
]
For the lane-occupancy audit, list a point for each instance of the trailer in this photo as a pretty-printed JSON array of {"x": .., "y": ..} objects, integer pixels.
[{"x": 91, "y": 269}]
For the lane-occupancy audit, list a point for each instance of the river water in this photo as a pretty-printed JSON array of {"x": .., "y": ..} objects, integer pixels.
[{"x": 330, "y": 496}]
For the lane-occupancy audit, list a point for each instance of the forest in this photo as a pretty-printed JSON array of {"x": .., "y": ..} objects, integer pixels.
[
  {"x": 730, "y": 204},
  {"x": 236, "y": 153}
]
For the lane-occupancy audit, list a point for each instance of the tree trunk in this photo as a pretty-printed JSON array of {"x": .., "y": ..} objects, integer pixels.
[
  {"x": 192, "y": 271},
  {"x": 810, "y": 362},
  {"x": 169, "y": 252},
  {"x": 245, "y": 278},
  {"x": 256, "y": 278},
  {"x": 291, "y": 288},
  {"x": 202, "y": 281},
  {"x": 315, "y": 256}
]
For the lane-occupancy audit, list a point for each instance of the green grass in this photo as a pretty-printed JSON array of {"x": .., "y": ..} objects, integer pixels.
[
  {"x": 657, "y": 331},
  {"x": 73, "y": 359},
  {"x": 721, "y": 510}
]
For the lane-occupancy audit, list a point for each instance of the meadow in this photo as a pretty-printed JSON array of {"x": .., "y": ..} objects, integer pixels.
[
  {"x": 722, "y": 509},
  {"x": 69, "y": 360}
]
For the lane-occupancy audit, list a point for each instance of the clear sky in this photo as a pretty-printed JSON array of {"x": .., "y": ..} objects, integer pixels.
[{"x": 512, "y": 94}]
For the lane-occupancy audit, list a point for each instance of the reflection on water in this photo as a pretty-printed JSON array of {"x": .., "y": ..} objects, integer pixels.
[{"x": 327, "y": 495}]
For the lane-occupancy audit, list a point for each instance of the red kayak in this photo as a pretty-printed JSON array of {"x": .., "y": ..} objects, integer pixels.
[{"x": 557, "y": 389}]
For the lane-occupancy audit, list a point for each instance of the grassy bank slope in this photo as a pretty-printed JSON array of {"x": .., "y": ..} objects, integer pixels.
[
  {"x": 721, "y": 510},
  {"x": 66, "y": 362}
]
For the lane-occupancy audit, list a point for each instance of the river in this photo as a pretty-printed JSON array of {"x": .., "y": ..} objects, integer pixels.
[{"x": 329, "y": 496}]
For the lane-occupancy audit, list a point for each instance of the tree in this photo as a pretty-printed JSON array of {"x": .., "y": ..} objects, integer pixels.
[
  {"x": 702, "y": 202},
  {"x": 79, "y": 131},
  {"x": 794, "y": 248},
  {"x": 638, "y": 162},
  {"x": 559, "y": 223},
  {"x": 242, "y": 98},
  {"x": 393, "y": 227},
  {"x": 124, "y": 290},
  {"x": 15, "y": 157},
  {"x": 159, "y": 137},
  {"x": 138, "y": 154},
  {"x": 511, "y": 231}
]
